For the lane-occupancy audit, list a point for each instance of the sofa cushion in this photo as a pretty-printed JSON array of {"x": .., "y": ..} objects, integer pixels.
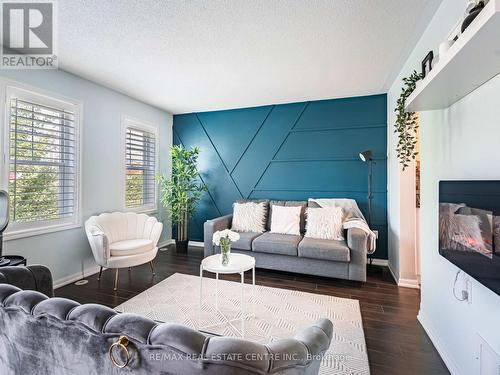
[
  {"x": 325, "y": 223},
  {"x": 302, "y": 204},
  {"x": 270, "y": 214},
  {"x": 130, "y": 247},
  {"x": 245, "y": 241},
  {"x": 286, "y": 220},
  {"x": 275, "y": 243},
  {"x": 249, "y": 217},
  {"x": 332, "y": 250},
  {"x": 265, "y": 201}
]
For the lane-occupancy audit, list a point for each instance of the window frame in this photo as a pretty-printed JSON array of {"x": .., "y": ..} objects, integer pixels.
[
  {"x": 131, "y": 122},
  {"x": 9, "y": 88}
]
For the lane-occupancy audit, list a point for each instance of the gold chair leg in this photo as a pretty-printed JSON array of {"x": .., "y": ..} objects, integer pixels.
[
  {"x": 100, "y": 274},
  {"x": 116, "y": 279},
  {"x": 152, "y": 268}
]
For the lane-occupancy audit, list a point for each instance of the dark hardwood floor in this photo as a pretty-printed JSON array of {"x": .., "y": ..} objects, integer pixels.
[{"x": 396, "y": 342}]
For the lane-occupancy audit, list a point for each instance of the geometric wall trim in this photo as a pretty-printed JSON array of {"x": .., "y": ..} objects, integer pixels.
[{"x": 290, "y": 151}]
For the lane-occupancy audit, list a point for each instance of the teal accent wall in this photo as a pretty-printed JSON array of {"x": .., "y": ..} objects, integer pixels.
[{"x": 290, "y": 151}]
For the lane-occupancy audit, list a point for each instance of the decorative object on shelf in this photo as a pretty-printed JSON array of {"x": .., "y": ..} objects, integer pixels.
[
  {"x": 4, "y": 221},
  {"x": 224, "y": 238},
  {"x": 427, "y": 64},
  {"x": 444, "y": 47},
  {"x": 181, "y": 191},
  {"x": 406, "y": 123},
  {"x": 471, "y": 4},
  {"x": 456, "y": 32},
  {"x": 469, "y": 64},
  {"x": 367, "y": 157},
  {"x": 473, "y": 13}
]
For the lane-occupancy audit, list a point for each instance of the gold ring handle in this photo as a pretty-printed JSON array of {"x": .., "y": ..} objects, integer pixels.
[{"x": 122, "y": 343}]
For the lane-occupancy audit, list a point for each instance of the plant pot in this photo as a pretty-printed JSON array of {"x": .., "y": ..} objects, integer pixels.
[{"x": 181, "y": 246}]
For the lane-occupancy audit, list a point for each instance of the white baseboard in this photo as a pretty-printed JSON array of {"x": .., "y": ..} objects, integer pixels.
[
  {"x": 379, "y": 262},
  {"x": 91, "y": 271},
  {"x": 196, "y": 243},
  {"x": 165, "y": 243},
  {"x": 75, "y": 277},
  {"x": 404, "y": 283},
  {"x": 409, "y": 283},
  {"x": 447, "y": 358}
]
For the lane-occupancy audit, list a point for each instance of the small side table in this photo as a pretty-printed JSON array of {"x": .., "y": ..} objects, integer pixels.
[
  {"x": 238, "y": 263},
  {"x": 15, "y": 260}
]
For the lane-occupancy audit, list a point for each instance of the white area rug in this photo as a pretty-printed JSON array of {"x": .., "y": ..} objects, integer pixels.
[{"x": 279, "y": 313}]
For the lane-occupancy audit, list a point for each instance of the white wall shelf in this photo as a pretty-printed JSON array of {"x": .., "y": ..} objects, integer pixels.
[{"x": 470, "y": 62}]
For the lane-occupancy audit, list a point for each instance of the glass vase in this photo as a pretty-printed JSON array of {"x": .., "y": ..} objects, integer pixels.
[{"x": 225, "y": 252}]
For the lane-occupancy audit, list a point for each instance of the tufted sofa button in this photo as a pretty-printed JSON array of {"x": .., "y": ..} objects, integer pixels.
[
  {"x": 25, "y": 299},
  {"x": 58, "y": 307},
  {"x": 93, "y": 315}
]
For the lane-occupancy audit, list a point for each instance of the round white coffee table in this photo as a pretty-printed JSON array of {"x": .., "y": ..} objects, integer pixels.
[{"x": 238, "y": 263}]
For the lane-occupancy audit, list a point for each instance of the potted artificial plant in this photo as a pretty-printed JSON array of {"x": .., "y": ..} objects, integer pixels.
[{"x": 181, "y": 191}]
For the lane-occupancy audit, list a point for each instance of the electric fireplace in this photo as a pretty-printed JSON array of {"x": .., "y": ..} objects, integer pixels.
[{"x": 469, "y": 228}]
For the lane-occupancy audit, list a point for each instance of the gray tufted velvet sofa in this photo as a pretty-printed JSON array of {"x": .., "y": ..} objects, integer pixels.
[
  {"x": 42, "y": 335},
  {"x": 344, "y": 259}
]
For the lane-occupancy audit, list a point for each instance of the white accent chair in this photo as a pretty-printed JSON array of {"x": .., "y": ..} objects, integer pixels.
[{"x": 120, "y": 240}]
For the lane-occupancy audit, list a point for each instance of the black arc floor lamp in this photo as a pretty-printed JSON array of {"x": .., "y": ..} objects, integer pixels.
[
  {"x": 367, "y": 157},
  {"x": 4, "y": 221}
]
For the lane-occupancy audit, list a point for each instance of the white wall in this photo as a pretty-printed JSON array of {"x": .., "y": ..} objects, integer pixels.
[
  {"x": 402, "y": 212},
  {"x": 401, "y": 201},
  {"x": 67, "y": 253},
  {"x": 461, "y": 142}
]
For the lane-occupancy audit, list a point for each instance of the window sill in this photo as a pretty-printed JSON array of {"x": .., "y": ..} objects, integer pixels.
[
  {"x": 143, "y": 210},
  {"x": 31, "y": 232}
]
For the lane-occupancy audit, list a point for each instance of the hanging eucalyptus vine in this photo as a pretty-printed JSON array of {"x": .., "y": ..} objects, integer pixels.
[{"x": 406, "y": 123}]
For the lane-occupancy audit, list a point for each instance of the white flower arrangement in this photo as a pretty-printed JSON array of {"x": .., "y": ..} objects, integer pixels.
[{"x": 222, "y": 234}]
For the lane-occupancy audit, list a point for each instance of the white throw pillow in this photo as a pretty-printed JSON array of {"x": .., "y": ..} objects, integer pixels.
[
  {"x": 286, "y": 220},
  {"x": 249, "y": 217},
  {"x": 324, "y": 223}
]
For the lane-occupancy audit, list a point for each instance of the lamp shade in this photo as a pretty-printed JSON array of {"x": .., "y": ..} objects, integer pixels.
[{"x": 366, "y": 155}]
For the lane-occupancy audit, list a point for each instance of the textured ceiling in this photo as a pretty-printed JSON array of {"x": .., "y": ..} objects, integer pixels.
[{"x": 187, "y": 56}]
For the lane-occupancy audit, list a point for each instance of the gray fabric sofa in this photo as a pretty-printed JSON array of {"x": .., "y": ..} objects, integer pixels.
[
  {"x": 56, "y": 336},
  {"x": 337, "y": 259}
]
